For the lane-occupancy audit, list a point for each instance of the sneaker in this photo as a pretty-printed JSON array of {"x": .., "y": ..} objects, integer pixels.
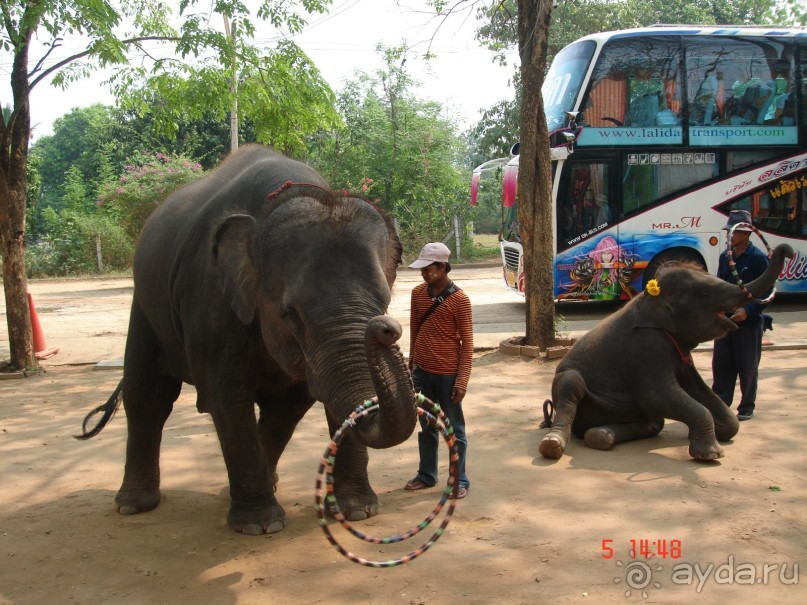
[{"x": 745, "y": 416}]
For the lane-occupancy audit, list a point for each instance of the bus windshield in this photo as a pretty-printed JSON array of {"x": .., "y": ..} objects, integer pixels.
[{"x": 563, "y": 81}]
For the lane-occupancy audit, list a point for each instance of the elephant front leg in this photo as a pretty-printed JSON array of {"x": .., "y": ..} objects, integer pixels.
[
  {"x": 725, "y": 421},
  {"x": 253, "y": 507},
  {"x": 568, "y": 390},
  {"x": 677, "y": 404},
  {"x": 356, "y": 498}
]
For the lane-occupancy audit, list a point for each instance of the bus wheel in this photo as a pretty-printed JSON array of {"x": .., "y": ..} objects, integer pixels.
[{"x": 674, "y": 254}]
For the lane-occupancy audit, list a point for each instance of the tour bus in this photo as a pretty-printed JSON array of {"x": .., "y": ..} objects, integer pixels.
[{"x": 656, "y": 134}]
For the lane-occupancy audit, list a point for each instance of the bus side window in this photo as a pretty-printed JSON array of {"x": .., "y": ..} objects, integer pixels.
[{"x": 634, "y": 85}]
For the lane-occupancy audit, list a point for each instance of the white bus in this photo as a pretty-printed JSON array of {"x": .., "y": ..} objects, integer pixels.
[{"x": 656, "y": 134}]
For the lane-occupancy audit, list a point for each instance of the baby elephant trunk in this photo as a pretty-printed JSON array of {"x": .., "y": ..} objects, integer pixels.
[{"x": 760, "y": 287}]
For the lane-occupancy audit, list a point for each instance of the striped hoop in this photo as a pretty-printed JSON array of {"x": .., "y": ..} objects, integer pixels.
[
  {"x": 324, "y": 496},
  {"x": 733, "y": 265}
]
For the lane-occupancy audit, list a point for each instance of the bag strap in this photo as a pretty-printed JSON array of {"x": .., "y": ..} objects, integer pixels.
[{"x": 448, "y": 291}]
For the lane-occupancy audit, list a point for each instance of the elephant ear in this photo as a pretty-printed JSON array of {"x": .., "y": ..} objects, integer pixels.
[
  {"x": 654, "y": 312},
  {"x": 234, "y": 254}
]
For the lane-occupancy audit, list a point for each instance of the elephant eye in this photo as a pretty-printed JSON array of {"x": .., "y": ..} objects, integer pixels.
[{"x": 291, "y": 315}]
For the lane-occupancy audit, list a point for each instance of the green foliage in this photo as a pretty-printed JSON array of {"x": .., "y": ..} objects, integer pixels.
[
  {"x": 69, "y": 248},
  {"x": 83, "y": 143},
  {"x": 402, "y": 152},
  {"x": 147, "y": 180},
  {"x": 276, "y": 88}
]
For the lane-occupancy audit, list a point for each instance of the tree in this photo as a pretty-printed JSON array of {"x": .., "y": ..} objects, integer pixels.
[
  {"x": 96, "y": 23},
  {"x": 534, "y": 174},
  {"x": 398, "y": 150}
]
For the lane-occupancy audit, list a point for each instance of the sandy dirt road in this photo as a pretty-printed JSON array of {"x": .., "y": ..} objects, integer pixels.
[{"x": 531, "y": 530}]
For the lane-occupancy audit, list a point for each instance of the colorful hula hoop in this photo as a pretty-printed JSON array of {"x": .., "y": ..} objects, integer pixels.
[
  {"x": 733, "y": 266},
  {"x": 325, "y": 499}
]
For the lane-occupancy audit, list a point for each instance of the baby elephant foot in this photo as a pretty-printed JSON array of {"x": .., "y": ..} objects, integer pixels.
[
  {"x": 600, "y": 438},
  {"x": 132, "y": 502},
  {"x": 255, "y": 519},
  {"x": 552, "y": 445},
  {"x": 705, "y": 450}
]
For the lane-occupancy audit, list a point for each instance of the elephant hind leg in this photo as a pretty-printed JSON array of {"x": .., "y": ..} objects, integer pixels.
[
  {"x": 148, "y": 398},
  {"x": 568, "y": 390},
  {"x": 607, "y": 436}
]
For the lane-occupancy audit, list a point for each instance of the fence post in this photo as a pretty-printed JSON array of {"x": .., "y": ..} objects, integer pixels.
[
  {"x": 98, "y": 252},
  {"x": 457, "y": 235}
]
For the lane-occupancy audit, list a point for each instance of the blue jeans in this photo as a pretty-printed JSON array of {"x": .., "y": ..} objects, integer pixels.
[{"x": 438, "y": 388}]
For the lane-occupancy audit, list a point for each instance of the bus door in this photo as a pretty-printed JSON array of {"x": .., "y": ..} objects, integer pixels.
[{"x": 589, "y": 262}]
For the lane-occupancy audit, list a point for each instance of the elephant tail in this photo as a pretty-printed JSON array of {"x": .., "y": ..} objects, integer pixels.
[
  {"x": 549, "y": 415},
  {"x": 109, "y": 409}
]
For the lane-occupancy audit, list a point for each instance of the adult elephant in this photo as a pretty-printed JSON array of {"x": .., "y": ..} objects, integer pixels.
[
  {"x": 257, "y": 284},
  {"x": 634, "y": 369}
]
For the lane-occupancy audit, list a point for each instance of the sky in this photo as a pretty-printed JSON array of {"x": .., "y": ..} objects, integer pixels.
[{"x": 462, "y": 76}]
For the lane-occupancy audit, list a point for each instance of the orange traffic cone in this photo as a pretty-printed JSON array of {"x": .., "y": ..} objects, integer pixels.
[{"x": 41, "y": 350}]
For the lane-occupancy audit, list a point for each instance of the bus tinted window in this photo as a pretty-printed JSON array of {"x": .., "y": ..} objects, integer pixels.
[
  {"x": 649, "y": 177},
  {"x": 562, "y": 83},
  {"x": 803, "y": 82},
  {"x": 781, "y": 207},
  {"x": 745, "y": 158},
  {"x": 740, "y": 92},
  {"x": 635, "y": 95}
]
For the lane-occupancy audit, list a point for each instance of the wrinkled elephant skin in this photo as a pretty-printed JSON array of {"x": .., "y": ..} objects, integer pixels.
[
  {"x": 634, "y": 369},
  {"x": 258, "y": 285}
]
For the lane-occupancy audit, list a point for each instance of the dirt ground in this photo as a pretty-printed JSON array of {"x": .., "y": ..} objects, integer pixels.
[{"x": 530, "y": 531}]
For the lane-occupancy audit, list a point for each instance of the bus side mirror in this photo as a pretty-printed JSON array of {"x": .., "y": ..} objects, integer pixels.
[{"x": 515, "y": 148}]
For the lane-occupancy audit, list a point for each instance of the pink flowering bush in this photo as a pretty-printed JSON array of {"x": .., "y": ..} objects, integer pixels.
[{"x": 146, "y": 181}]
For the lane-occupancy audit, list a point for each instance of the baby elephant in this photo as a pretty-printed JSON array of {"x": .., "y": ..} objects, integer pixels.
[{"x": 634, "y": 369}]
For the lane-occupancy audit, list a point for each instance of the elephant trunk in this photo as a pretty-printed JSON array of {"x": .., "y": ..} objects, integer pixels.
[
  {"x": 397, "y": 414},
  {"x": 371, "y": 365},
  {"x": 762, "y": 285}
]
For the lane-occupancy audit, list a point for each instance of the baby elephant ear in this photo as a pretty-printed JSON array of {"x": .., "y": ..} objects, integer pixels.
[
  {"x": 655, "y": 313},
  {"x": 234, "y": 255}
]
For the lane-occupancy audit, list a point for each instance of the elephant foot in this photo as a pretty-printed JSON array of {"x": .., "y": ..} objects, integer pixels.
[
  {"x": 552, "y": 446},
  {"x": 725, "y": 431},
  {"x": 132, "y": 502},
  {"x": 256, "y": 519},
  {"x": 705, "y": 451},
  {"x": 357, "y": 508},
  {"x": 600, "y": 438}
]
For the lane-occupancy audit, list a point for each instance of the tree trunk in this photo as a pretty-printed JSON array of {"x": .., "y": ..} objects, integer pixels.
[
  {"x": 13, "y": 193},
  {"x": 534, "y": 174}
]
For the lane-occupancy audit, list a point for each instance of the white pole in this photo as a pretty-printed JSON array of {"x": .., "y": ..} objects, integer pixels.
[
  {"x": 234, "y": 90},
  {"x": 98, "y": 252},
  {"x": 457, "y": 234}
]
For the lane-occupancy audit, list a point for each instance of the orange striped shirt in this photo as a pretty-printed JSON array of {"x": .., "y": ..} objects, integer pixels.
[{"x": 445, "y": 344}]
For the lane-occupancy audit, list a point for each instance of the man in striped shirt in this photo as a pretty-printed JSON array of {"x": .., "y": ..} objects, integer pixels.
[{"x": 440, "y": 357}]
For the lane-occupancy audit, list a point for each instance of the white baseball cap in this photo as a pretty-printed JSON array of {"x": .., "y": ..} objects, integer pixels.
[{"x": 434, "y": 252}]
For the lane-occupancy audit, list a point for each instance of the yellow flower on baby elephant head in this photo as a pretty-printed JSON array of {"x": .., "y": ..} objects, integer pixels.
[{"x": 653, "y": 289}]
